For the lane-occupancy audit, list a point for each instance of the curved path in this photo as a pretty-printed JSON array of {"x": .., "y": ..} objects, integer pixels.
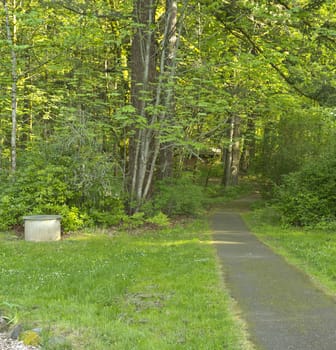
[{"x": 282, "y": 308}]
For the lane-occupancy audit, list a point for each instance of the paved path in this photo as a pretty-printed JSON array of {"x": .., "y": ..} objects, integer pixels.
[{"x": 281, "y": 306}]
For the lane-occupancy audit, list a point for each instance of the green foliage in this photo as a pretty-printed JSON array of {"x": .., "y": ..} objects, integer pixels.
[
  {"x": 290, "y": 140},
  {"x": 108, "y": 218},
  {"x": 178, "y": 196},
  {"x": 30, "y": 338},
  {"x": 326, "y": 225},
  {"x": 255, "y": 60},
  {"x": 307, "y": 197},
  {"x": 35, "y": 190},
  {"x": 9, "y": 312},
  {"x": 160, "y": 220},
  {"x": 72, "y": 218},
  {"x": 56, "y": 179},
  {"x": 107, "y": 211},
  {"x": 134, "y": 221}
]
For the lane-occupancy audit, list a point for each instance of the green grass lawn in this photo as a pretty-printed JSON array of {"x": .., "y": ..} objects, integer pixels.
[
  {"x": 155, "y": 290},
  {"x": 312, "y": 251}
]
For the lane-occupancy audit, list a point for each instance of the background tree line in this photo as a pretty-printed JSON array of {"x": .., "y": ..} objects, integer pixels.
[{"x": 105, "y": 104}]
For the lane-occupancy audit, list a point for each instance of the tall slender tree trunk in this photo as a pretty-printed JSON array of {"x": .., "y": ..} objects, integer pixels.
[
  {"x": 170, "y": 41},
  {"x": 11, "y": 38},
  {"x": 227, "y": 155},
  {"x": 235, "y": 152},
  {"x": 248, "y": 151},
  {"x": 231, "y": 155}
]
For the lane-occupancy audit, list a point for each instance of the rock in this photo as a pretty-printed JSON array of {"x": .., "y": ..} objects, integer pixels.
[
  {"x": 37, "y": 330},
  {"x": 14, "y": 332},
  {"x": 3, "y": 324}
]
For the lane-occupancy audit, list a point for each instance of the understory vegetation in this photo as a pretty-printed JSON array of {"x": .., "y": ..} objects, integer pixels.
[
  {"x": 121, "y": 112},
  {"x": 304, "y": 198},
  {"x": 155, "y": 290},
  {"x": 82, "y": 188}
]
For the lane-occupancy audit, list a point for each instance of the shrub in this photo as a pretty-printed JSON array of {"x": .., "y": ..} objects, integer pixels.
[
  {"x": 32, "y": 190},
  {"x": 30, "y": 338},
  {"x": 108, "y": 211},
  {"x": 134, "y": 221},
  {"x": 307, "y": 197},
  {"x": 82, "y": 190},
  {"x": 160, "y": 220},
  {"x": 178, "y": 196},
  {"x": 72, "y": 218}
]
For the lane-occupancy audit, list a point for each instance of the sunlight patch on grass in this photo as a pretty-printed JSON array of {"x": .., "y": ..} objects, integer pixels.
[
  {"x": 168, "y": 244},
  {"x": 221, "y": 242}
]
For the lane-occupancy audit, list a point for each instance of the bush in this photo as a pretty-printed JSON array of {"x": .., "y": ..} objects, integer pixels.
[
  {"x": 160, "y": 220},
  {"x": 178, "y": 196},
  {"x": 72, "y": 218},
  {"x": 307, "y": 197},
  {"x": 134, "y": 221},
  {"x": 109, "y": 211},
  {"x": 39, "y": 186},
  {"x": 33, "y": 190}
]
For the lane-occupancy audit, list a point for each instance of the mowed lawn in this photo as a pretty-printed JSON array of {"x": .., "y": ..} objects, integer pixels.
[{"x": 153, "y": 290}]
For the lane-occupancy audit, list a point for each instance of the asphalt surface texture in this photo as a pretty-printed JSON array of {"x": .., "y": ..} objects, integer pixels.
[{"x": 282, "y": 308}]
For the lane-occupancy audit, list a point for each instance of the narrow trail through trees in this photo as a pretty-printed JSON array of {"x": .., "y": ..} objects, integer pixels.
[{"x": 282, "y": 307}]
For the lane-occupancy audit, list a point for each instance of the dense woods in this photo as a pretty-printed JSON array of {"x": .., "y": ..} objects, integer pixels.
[{"x": 114, "y": 108}]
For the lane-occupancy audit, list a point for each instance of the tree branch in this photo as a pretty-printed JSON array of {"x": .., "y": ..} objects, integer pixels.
[
  {"x": 112, "y": 15},
  {"x": 242, "y": 34}
]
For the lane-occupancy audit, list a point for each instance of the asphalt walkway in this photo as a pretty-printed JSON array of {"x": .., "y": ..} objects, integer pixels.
[{"x": 282, "y": 308}]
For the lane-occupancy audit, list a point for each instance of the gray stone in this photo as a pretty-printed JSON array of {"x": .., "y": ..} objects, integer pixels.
[
  {"x": 3, "y": 324},
  {"x": 15, "y": 332},
  {"x": 37, "y": 330}
]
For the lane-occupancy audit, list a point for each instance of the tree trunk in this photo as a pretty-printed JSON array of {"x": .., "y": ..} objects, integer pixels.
[
  {"x": 154, "y": 89},
  {"x": 143, "y": 74},
  {"x": 249, "y": 146},
  {"x": 170, "y": 48},
  {"x": 227, "y": 157},
  {"x": 231, "y": 155},
  {"x": 11, "y": 41},
  {"x": 235, "y": 152}
]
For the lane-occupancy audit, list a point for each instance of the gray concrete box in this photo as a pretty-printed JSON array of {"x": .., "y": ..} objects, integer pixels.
[{"x": 42, "y": 228}]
